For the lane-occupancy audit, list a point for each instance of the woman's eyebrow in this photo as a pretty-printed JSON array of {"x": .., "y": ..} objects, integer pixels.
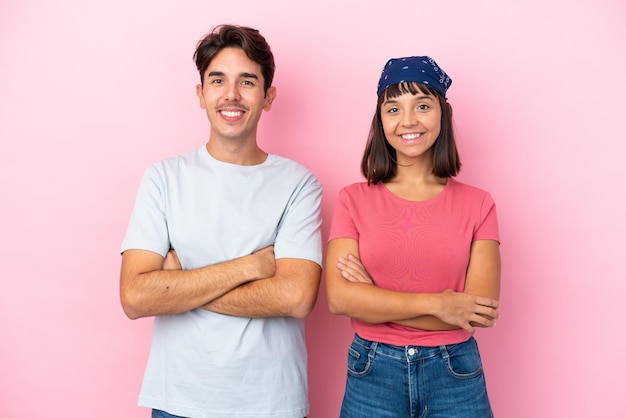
[{"x": 425, "y": 96}]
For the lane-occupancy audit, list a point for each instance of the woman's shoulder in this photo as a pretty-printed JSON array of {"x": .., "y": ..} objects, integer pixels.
[
  {"x": 358, "y": 188},
  {"x": 467, "y": 190}
]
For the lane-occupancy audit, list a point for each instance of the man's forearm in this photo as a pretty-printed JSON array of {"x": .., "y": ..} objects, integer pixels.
[
  {"x": 292, "y": 292},
  {"x": 148, "y": 290}
]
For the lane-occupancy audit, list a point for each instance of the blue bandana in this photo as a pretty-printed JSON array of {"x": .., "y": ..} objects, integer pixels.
[{"x": 419, "y": 69}]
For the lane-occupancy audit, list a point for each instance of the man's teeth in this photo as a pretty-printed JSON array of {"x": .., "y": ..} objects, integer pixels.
[
  {"x": 411, "y": 136},
  {"x": 231, "y": 114}
]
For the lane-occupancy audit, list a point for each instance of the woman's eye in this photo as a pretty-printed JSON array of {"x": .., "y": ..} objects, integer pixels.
[
  {"x": 392, "y": 110},
  {"x": 423, "y": 107}
]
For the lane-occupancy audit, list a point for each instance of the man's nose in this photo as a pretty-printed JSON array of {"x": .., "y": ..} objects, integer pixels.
[{"x": 232, "y": 92}]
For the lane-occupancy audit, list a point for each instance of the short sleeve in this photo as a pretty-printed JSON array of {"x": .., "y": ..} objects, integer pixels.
[
  {"x": 147, "y": 229},
  {"x": 343, "y": 225},
  {"x": 299, "y": 232},
  {"x": 487, "y": 227}
]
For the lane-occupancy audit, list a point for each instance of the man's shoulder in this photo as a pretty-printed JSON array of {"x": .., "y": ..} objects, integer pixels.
[
  {"x": 284, "y": 163},
  {"x": 188, "y": 158},
  {"x": 282, "y": 160}
]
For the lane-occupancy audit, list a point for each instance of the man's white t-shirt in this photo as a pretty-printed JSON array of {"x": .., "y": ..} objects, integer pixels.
[{"x": 205, "y": 364}]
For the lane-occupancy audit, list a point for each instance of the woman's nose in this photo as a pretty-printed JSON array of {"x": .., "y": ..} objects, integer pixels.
[{"x": 409, "y": 119}]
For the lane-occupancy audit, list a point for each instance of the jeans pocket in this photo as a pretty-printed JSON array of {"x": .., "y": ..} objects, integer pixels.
[
  {"x": 463, "y": 360},
  {"x": 359, "y": 360}
]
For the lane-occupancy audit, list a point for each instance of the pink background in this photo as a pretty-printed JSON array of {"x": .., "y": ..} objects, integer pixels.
[{"x": 91, "y": 92}]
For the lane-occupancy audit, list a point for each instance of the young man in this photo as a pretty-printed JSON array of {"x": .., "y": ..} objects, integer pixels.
[{"x": 224, "y": 250}]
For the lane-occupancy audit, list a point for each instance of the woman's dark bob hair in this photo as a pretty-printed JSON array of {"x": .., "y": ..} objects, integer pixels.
[{"x": 379, "y": 161}]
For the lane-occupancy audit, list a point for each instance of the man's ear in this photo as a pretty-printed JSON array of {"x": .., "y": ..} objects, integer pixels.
[
  {"x": 269, "y": 98},
  {"x": 200, "y": 96}
]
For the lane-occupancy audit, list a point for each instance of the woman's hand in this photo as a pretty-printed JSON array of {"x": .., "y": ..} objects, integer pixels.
[
  {"x": 353, "y": 270},
  {"x": 466, "y": 311}
]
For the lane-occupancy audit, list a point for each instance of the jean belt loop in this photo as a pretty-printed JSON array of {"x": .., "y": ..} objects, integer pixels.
[
  {"x": 444, "y": 352},
  {"x": 372, "y": 352}
]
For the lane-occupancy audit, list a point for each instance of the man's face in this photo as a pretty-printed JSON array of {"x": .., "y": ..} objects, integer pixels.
[{"x": 233, "y": 95}]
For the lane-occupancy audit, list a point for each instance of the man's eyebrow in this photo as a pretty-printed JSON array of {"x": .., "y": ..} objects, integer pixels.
[
  {"x": 249, "y": 75},
  {"x": 243, "y": 75}
]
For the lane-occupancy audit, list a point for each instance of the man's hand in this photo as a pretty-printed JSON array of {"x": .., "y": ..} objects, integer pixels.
[
  {"x": 264, "y": 262},
  {"x": 171, "y": 261}
]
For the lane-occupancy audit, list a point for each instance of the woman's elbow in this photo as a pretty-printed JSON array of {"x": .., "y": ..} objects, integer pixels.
[{"x": 335, "y": 306}]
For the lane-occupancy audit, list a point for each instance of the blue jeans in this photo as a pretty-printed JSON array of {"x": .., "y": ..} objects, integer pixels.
[
  {"x": 387, "y": 381},
  {"x": 162, "y": 414}
]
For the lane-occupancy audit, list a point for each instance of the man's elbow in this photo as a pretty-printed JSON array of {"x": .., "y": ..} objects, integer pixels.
[
  {"x": 131, "y": 313},
  {"x": 131, "y": 306},
  {"x": 303, "y": 305}
]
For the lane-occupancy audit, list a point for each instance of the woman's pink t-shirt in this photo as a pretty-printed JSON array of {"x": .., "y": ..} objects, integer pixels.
[{"x": 409, "y": 246}]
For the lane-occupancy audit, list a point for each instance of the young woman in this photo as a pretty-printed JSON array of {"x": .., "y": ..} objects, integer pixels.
[{"x": 413, "y": 259}]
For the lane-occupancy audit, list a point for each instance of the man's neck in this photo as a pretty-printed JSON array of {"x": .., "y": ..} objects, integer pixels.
[{"x": 236, "y": 152}]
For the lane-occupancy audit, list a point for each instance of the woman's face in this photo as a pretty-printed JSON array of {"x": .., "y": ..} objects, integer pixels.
[{"x": 412, "y": 123}]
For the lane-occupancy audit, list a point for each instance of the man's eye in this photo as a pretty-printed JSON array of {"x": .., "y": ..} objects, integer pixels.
[
  {"x": 247, "y": 83},
  {"x": 216, "y": 81}
]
